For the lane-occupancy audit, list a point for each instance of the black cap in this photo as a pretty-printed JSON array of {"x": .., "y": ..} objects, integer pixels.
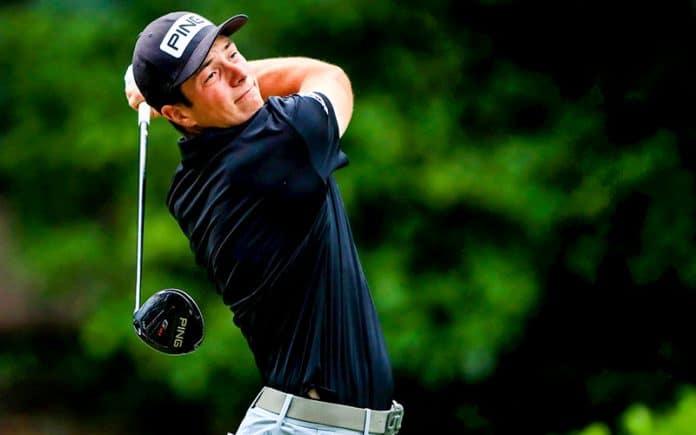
[{"x": 171, "y": 48}]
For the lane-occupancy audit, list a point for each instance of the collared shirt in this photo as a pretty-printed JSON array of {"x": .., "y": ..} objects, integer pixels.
[{"x": 265, "y": 218}]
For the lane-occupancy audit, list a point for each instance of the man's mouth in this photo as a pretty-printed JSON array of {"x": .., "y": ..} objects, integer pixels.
[{"x": 243, "y": 95}]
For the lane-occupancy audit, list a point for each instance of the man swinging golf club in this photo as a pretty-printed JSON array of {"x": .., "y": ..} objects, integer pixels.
[{"x": 255, "y": 196}]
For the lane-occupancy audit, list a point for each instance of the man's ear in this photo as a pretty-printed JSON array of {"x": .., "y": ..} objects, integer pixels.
[{"x": 178, "y": 115}]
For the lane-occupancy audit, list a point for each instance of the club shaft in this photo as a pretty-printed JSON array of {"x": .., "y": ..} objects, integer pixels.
[{"x": 143, "y": 123}]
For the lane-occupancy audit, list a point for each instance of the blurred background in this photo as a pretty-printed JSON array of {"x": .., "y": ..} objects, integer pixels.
[{"x": 521, "y": 190}]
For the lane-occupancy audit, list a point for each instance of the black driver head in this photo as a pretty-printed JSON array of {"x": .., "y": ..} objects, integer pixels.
[{"x": 170, "y": 322}]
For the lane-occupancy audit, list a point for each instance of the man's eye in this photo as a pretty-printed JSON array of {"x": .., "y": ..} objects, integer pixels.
[
  {"x": 233, "y": 55},
  {"x": 210, "y": 76}
]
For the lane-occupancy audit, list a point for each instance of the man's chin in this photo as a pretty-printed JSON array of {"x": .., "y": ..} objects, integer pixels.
[{"x": 252, "y": 103}]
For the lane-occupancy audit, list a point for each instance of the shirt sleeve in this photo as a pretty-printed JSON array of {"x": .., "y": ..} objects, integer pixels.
[{"x": 314, "y": 119}]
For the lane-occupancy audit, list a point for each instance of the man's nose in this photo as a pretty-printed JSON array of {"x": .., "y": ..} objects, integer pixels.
[{"x": 237, "y": 74}]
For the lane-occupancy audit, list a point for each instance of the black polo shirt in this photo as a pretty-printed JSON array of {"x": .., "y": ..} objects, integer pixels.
[{"x": 265, "y": 218}]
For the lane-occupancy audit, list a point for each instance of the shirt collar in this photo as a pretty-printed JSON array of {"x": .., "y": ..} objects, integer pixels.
[{"x": 209, "y": 141}]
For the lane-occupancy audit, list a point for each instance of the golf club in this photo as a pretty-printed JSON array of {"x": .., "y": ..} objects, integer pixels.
[{"x": 169, "y": 321}]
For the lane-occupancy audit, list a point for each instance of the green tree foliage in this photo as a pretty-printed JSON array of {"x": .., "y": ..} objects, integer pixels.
[
  {"x": 638, "y": 419},
  {"x": 521, "y": 210}
]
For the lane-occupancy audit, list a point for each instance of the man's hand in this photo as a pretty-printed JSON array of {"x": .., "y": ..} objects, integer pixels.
[{"x": 133, "y": 93}]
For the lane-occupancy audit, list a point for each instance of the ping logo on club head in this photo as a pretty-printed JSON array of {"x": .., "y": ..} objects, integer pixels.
[
  {"x": 181, "y": 33},
  {"x": 180, "y": 331}
]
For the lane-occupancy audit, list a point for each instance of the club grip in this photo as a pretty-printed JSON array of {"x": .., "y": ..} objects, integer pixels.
[
  {"x": 143, "y": 113},
  {"x": 143, "y": 108}
]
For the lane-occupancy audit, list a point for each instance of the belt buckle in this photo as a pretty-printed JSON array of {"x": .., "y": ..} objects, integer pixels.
[{"x": 394, "y": 419}]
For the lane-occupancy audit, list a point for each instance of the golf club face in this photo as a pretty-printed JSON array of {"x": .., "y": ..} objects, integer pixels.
[{"x": 170, "y": 321}]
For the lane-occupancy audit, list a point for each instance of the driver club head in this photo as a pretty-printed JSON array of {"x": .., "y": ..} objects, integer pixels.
[{"x": 170, "y": 321}]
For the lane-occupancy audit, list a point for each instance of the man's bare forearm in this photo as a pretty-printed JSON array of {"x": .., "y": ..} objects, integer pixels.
[{"x": 283, "y": 76}]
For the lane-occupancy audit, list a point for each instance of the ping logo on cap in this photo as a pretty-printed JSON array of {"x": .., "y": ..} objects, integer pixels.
[{"x": 181, "y": 33}]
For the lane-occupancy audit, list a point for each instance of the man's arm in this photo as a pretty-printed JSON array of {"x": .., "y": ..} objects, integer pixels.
[{"x": 289, "y": 75}]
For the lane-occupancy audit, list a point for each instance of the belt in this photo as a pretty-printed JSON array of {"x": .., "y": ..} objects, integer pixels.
[{"x": 332, "y": 414}]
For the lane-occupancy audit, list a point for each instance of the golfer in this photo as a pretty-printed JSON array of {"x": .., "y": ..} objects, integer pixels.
[{"x": 255, "y": 196}]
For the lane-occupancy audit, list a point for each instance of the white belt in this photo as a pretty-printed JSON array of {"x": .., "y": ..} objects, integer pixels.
[{"x": 332, "y": 414}]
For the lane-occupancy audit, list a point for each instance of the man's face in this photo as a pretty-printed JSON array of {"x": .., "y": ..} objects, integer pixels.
[{"x": 223, "y": 91}]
